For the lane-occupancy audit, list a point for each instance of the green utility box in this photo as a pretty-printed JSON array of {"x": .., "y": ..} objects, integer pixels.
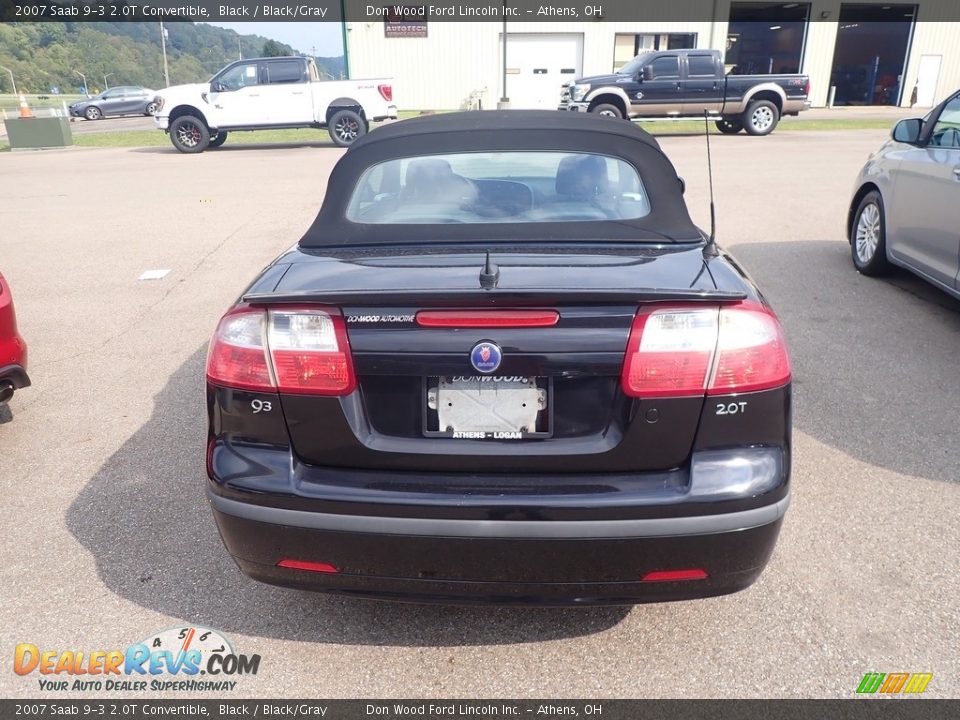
[{"x": 37, "y": 132}]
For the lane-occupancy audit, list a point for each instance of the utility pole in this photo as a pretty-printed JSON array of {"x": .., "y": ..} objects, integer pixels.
[
  {"x": 504, "y": 100},
  {"x": 12, "y": 81},
  {"x": 85, "y": 91},
  {"x": 163, "y": 44},
  {"x": 343, "y": 33},
  {"x": 106, "y": 85}
]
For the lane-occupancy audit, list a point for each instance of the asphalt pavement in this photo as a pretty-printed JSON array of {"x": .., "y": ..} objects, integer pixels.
[{"x": 108, "y": 538}]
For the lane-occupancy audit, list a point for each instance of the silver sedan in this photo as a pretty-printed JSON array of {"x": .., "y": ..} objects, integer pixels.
[{"x": 906, "y": 203}]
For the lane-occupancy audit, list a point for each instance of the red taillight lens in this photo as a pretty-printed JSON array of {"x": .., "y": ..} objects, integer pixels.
[
  {"x": 674, "y": 575},
  {"x": 751, "y": 352},
  {"x": 669, "y": 352},
  {"x": 806, "y": 89},
  {"x": 310, "y": 352},
  {"x": 295, "y": 350},
  {"x": 237, "y": 356},
  {"x": 307, "y": 565},
  {"x": 688, "y": 351},
  {"x": 487, "y": 318},
  {"x": 386, "y": 92}
]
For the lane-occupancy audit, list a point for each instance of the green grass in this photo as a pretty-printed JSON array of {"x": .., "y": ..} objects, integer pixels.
[{"x": 155, "y": 138}]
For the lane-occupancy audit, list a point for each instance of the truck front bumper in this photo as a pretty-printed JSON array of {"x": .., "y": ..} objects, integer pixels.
[{"x": 574, "y": 106}]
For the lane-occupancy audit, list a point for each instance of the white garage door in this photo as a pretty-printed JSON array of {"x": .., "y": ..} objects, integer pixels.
[{"x": 538, "y": 64}]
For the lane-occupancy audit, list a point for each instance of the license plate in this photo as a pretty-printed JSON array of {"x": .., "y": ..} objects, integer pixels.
[{"x": 487, "y": 408}]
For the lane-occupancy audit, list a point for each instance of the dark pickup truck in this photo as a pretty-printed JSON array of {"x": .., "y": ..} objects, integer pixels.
[{"x": 684, "y": 83}]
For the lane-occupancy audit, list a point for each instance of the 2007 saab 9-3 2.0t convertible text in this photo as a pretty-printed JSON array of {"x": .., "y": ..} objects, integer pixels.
[{"x": 502, "y": 365}]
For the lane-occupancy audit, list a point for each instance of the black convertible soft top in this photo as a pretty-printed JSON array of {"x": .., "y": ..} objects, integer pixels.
[{"x": 501, "y": 131}]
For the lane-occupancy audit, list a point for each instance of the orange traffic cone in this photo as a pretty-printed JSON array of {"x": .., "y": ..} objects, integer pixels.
[{"x": 25, "y": 111}]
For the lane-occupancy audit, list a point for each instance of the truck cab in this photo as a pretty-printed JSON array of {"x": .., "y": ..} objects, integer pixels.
[
  {"x": 687, "y": 83},
  {"x": 271, "y": 93}
]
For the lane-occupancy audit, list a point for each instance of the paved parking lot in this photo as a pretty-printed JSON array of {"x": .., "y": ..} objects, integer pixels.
[{"x": 109, "y": 538}]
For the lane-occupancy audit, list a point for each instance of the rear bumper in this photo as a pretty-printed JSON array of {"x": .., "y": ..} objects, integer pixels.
[
  {"x": 591, "y": 541},
  {"x": 161, "y": 122},
  {"x": 499, "y": 562}
]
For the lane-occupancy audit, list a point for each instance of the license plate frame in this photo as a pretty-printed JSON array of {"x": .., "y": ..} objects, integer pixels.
[{"x": 431, "y": 428}]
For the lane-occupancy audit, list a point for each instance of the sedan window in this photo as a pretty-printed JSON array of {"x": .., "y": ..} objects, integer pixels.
[
  {"x": 946, "y": 132},
  {"x": 506, "y": 187}
]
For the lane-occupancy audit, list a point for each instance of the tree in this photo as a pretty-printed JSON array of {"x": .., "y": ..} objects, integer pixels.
[{"x": 271, "y": 48}]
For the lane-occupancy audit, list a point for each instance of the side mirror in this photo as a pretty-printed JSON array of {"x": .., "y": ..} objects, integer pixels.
[
  {"x": 908, "y": 131},
  {"x": 646, "y": 73}
]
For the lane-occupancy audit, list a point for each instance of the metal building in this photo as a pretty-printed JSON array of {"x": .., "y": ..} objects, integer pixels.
[{"x": 857, "y": 53}]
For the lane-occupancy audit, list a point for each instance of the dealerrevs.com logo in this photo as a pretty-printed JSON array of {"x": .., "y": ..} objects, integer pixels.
[{"x": 183, "y": 659}]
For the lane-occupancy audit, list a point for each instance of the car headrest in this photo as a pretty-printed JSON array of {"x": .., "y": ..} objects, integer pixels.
[
  {"x": 582, "y": 177},
  {"x": 427, "y": 175}
]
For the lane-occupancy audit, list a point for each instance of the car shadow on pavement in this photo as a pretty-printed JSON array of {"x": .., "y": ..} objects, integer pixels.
[
  {"x": 874, "y": 359},
  {"x": 143, "y": 516}
]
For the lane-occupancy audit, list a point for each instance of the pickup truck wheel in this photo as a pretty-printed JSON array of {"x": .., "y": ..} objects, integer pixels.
[
  {"x": 729, "y": 125},
  {"x": 219, "y": 139},
  {"x": 868, "y": 237},
  {"x": 761, "y": 117},
  {"x": 189, "y": 134},
  {"x": 607, "y": 110},
  {"x": 92, "y": 113},
  {"x": 346, "y": 127}
]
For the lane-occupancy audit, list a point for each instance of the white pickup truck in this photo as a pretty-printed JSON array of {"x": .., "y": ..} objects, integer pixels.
[{"x": 270, "y": 93}]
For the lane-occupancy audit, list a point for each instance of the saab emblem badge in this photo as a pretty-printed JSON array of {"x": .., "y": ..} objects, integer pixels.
[{"x": 485, "y": 357}]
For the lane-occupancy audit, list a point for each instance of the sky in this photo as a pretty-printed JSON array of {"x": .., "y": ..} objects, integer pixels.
[{"x": 301, "y": 36}]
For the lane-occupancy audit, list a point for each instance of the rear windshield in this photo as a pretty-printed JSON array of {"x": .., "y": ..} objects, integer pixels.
[{"x": 501, "y": 187}]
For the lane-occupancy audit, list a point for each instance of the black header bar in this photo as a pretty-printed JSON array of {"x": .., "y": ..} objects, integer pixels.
[{"x": 420, "y": 11}]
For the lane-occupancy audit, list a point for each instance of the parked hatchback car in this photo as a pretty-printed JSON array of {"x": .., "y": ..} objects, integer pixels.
[
  {"x": 905, "y": 209},
  {"x": 13, "y": 350},
  {"x": 120, "y": 100},
  {"x": 503, "y": 365}
]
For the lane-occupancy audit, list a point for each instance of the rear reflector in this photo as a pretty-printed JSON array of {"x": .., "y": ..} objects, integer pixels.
[
  {"x": 487, "y": 318},
  {"x": 687, "y": 351},
  {"x": 306, "y": 565},
  {"x": 674, "y": 575},
  {"x": 291, "y": 350}
]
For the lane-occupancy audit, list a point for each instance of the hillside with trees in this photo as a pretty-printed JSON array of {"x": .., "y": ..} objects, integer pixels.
[{"x": 45, "y": 55}]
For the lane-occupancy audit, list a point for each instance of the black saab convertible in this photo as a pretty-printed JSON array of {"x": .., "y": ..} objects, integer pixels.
[{"x": 502, "y": 365}]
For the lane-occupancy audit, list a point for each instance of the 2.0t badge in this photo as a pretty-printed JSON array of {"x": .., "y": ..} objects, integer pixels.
[{"x": 486, "y": 357}]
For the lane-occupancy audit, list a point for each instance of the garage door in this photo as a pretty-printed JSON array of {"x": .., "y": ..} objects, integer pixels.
[{"x": 538, "y": 64}]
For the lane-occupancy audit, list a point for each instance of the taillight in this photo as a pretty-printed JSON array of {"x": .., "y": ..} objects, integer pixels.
[
  {"x": 237, "y": 356},
  {"x": 694, "y": 350},
  {"x": 751, "y": 352},
  {"x": 806, "y": 89},
  {"x": 310, "y": 352},
  {"x": 290, "y": 350},
  {"x": 386, "y": 92}
]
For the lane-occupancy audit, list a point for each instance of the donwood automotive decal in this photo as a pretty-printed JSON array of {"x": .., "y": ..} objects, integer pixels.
[{"x": 380, "y": 318}]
